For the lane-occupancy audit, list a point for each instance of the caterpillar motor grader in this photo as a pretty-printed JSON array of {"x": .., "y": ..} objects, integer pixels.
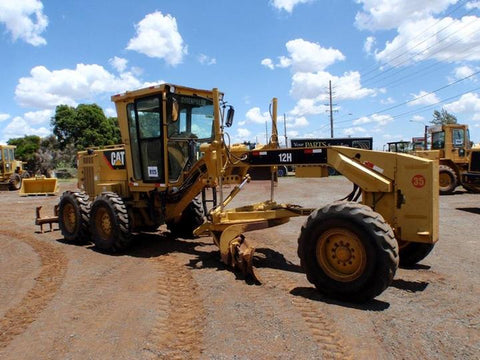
[
  {"x": 11, "y": 170},
  {"x": 174, "y": 150}
]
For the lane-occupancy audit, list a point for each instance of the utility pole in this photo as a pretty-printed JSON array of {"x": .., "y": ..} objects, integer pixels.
[{"x": 331, "y": 108}]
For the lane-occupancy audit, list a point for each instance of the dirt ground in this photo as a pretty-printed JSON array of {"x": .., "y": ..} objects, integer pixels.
[{"x": 173, "y": 299}]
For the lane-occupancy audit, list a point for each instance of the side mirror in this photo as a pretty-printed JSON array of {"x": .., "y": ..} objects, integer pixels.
[
  {"x": 230, "y": 114},
  {"x": 172, "y": 109}
]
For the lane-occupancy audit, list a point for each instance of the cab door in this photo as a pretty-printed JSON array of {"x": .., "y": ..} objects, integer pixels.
[{"x": 149, "y": 133}]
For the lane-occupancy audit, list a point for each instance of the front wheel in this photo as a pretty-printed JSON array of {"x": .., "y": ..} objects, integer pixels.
[
  {"x": 15, "y": 182},
  {"x": 109, "y": 223},
  {"x": 348, "y": 251},
  {"x": 447, "y": 180},
  {"x": 191, "y": 218}
]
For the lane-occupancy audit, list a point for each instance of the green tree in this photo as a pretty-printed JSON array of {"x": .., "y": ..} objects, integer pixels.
[
  {"x": 84, "y": 126},
  {"x": 26, "y": 149},
  {"x": 443, "y": 117}
]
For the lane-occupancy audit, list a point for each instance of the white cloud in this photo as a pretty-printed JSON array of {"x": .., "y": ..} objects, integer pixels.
[
  {"x": 377, "y": 119},
  {"x": 306, "y": 56},
  {"x": 354, "y": 131},
  {"x": 119, "y": 64},
  {"x": 449, "y": 40},
  {"x": 308, "y": 107},
  {"x": 462, "y": 72},
  {"x": 315, "y": 86},
  {"x": 157, "y": 36},
  {"x": 206, "y": 60},
  {"x": 45, "y": 89},
  {"x": 41, "y": 117},
  {"x": 20, "y": 127},
  {"x": 24, "y": 19},
  {"x": 468, "y": 104},
  {"x": 424, "y": 98},
  {"x": 369, "y": 44},
  {"x": 299, "y": 122},
  {"x": 110, "y": 112},
  {"x": 418, "y": 118},
  {"x": 243, "y": 133},
  {"x": 254, "y": 115},
  {"x": 288, "y": 5},
  {"x": 472, "y": 5},
  {"x": 268, "y": 63},
  {"x": 387, "y": 101},
  {"x": 390, "y": 14},
  {"x": 4, "y": 117}
]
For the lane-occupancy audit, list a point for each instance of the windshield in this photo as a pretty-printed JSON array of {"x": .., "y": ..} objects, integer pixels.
[
  {"x": 438, "y": 140},
  {"x": 195, "y": 118}
]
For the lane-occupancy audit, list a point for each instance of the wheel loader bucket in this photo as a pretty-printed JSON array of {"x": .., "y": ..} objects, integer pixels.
[{"x": 39, "y": 185}]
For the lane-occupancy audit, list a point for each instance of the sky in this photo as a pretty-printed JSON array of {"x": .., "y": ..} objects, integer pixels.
[{"x": 390, "y": 63}]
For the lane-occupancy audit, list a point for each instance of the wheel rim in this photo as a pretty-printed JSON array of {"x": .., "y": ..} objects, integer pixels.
[
  {"x": 341, "y": 254},
  {"x": 69, "y": 217},
  {"x": 103, "y": 223},
  {"x": 445, "y": 180}
]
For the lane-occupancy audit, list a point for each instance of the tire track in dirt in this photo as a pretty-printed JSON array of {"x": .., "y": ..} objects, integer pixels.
[
  {"x": 321, "y": 326},
  {"x": 52, "y": 273},
  {"x": 181, "y": 323}
]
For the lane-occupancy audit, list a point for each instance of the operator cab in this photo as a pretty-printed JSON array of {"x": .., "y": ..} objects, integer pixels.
[{"x": 168, "y": 128}]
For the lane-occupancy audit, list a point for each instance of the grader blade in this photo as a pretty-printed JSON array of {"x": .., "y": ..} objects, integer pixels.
[{"x": 241, "y": 255}]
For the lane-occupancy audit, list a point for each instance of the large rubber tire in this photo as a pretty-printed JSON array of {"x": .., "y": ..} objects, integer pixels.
[
  {"x": 192, "y": 217},
  {"x": 447, "y": 180},
  {"x": 109, "y": 223},
  {"x": 348, "y": 251},
  {"x": 15, "y": 182},
  {"x": 411, "y": 252},
  {"x": 472, "y": 188},
  {"x": 73, "y": 216}
]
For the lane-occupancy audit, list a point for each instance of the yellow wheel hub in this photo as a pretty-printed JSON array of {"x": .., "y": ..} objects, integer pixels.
[
  {"x": 444, "y": 179},
  {"x": 103, "y": 223},
  {"x": 69, "y": 217},
  {"x": 341, "y": 254}
]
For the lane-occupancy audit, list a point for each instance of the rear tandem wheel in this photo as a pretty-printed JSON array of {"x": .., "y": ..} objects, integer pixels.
[
  {"x": 348, "y": 251},
  {"x": 109, "y": 223}
]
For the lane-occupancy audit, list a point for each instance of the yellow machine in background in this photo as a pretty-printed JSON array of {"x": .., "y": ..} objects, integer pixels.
[
  {"x": 459, "y": 162},
  {"x": 11, "y": 170},
  {"x": 174, "y": 149}
]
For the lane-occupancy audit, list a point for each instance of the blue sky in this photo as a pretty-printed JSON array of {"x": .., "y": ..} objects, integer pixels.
[{"x": 391, "y": 62}]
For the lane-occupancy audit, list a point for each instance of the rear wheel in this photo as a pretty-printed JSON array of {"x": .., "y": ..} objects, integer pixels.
[
  {"x": 192, "y": 217},
  {"x": 447, "y": 179},
  {"x": 473, "y": 188},
  {"x": 412, "y": 252},
  {"x": 348, "y": 251},
  {"x": 109, "y": 223},
  {"x": 73, "y": 216}
]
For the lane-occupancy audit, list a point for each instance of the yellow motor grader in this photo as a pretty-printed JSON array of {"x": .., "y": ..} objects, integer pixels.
[
  {"x": 11, "y": 170},
  {"x": 175, "y": 149}
]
